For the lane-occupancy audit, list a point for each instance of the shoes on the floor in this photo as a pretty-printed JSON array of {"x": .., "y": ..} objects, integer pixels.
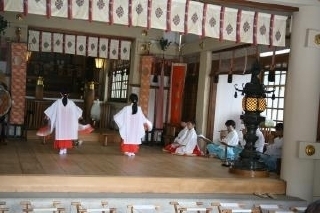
[
  {"x": 63, "y": 151},
  {"x": 129, "y": 154}
]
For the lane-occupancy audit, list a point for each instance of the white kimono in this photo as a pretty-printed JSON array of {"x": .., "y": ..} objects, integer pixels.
[
  {"x": 181, "y": 135},
  {"x": 64, "y": 119},
  {"x": 188, "y": 143},
  {"x": 131, "y": 127}
]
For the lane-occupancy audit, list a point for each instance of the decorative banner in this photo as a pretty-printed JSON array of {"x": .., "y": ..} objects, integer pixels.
[
  {"x": 70, "y": 44},
  {"x": 146, "y": 67},
  {"x": 46, "y": 42},
  {"x": 120, "y": 12},
  {"x": 139, "y": 13},
  {"x": 246, "y": 27},
  {"x": 81, "y": 45},
  {"x": 178, "y": 74},
  {"x": 93, "y": 46},
  {"x": 212, "y": 23},
  {"x": 279, "y": 27},
  {"x": 182, "y": 16},
  {"x": 159, "y": 14},
  {"x": 18, "y": 82},
  {"x": 80, "y": 9},
  {"x": 59, "y": 8},
  {"x": 263, "y": 28},
  {"x": 103, "y": 48},
  {"x": 16, "y": 6},
  {"x": 229, "y": 27},
  {"x": 100, "y": 10},
  {"x": 125, "y": 50},
  {"x": 195, "y": 16},
  {"x": 34, "y": 40},
  {"x": 177, "y": 18},
  {"x": 114, "y": 49},
  {"x": 38, "y": 7},
  {"x": 57, "y": 42}
]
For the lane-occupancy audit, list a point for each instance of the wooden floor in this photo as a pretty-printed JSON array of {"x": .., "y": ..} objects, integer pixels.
[{"x": 30, "y": 166}]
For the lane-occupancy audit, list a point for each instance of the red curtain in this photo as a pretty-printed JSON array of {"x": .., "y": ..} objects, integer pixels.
[{"x": 178, "y": 73}]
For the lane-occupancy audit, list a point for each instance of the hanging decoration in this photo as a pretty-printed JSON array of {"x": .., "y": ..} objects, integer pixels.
[
  {"x": 93, "y": 46},
  {"x": 203, "y": 19},
  {"x": 231, "y": 68},
  {"x": 271, "y": 74}
]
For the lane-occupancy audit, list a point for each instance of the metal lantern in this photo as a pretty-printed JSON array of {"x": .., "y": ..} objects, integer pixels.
[{"x": 253, "y": 103}]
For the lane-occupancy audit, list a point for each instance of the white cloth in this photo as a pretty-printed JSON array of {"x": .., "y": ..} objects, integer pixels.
[
  {"x": 259, "y": 145},
  {"x": 95, "y": 110},
  {"x": 188, "y": 143},
  {"x": 232, "y": 138},
  {"x": 181, "y": 135},
  {"x": 64, "y": 119},
  {"x": 275, "y": 149},
  {"x": 131, "y": 127}
]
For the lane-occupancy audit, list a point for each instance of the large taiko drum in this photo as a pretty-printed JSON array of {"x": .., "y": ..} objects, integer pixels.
[{"x": 5, "y": 101}]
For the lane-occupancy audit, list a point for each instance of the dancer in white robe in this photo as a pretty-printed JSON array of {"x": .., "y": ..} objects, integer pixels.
[
  {"x": 132, "y": 125},
  {"x": 64, "y": 117}
]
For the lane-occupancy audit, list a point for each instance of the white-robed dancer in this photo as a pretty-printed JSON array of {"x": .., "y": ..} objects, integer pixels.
[
  {"x": 64, "y": 117},
  {"x": 132, "y": 125}
]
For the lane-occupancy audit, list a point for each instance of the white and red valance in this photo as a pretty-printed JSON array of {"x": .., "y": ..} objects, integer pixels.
[
  {"x": 183, "y": 16},
  {"x": 78, "y": 45}
]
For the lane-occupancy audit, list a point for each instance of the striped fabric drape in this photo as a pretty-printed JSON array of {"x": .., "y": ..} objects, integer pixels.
[{"x": 183, "y": 16}]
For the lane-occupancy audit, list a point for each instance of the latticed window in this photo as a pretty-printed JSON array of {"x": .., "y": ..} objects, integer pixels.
[
  {"x": 119, "y": 78},
  {"x": 275, "y": 108}
]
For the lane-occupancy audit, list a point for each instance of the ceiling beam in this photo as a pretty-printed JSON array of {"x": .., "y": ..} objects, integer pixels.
[{"x": 244, "y": 4}]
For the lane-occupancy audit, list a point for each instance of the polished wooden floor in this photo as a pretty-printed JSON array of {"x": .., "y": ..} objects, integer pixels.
[{"x": 30, "y": 166}]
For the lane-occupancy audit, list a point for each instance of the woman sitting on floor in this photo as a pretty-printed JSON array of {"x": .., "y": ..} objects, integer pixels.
[{"x": 187, "y": 144}]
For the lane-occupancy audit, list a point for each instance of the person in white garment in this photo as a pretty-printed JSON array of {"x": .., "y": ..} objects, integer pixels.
[
  {"x": 177, "y": 140},
  {"x": 188, "y": 145},
  {"x": 273, "y": 149},
  {"x": 133, "y": 125},
  {"x": 259, "y": 144},
  {"x": 232, "y": 139},
  {"x": 64, "y": 116}
]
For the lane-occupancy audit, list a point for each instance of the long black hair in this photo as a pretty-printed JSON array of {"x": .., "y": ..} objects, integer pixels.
[
  {"x": 134, "y": 100},
  {"x": 64, "y": 95}
]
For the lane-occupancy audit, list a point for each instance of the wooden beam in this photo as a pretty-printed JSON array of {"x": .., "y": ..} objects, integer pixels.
[{"x": 244, "y": 4}]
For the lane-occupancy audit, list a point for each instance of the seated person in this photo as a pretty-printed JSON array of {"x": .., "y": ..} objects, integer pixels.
[
  {"x": 259, "y": 144},
  {"x": 187, "y": 145},
  {"x": 231, "y": 139},
  {"x": 273, "y": 149},
  {"x": 171, "y": 147}
]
